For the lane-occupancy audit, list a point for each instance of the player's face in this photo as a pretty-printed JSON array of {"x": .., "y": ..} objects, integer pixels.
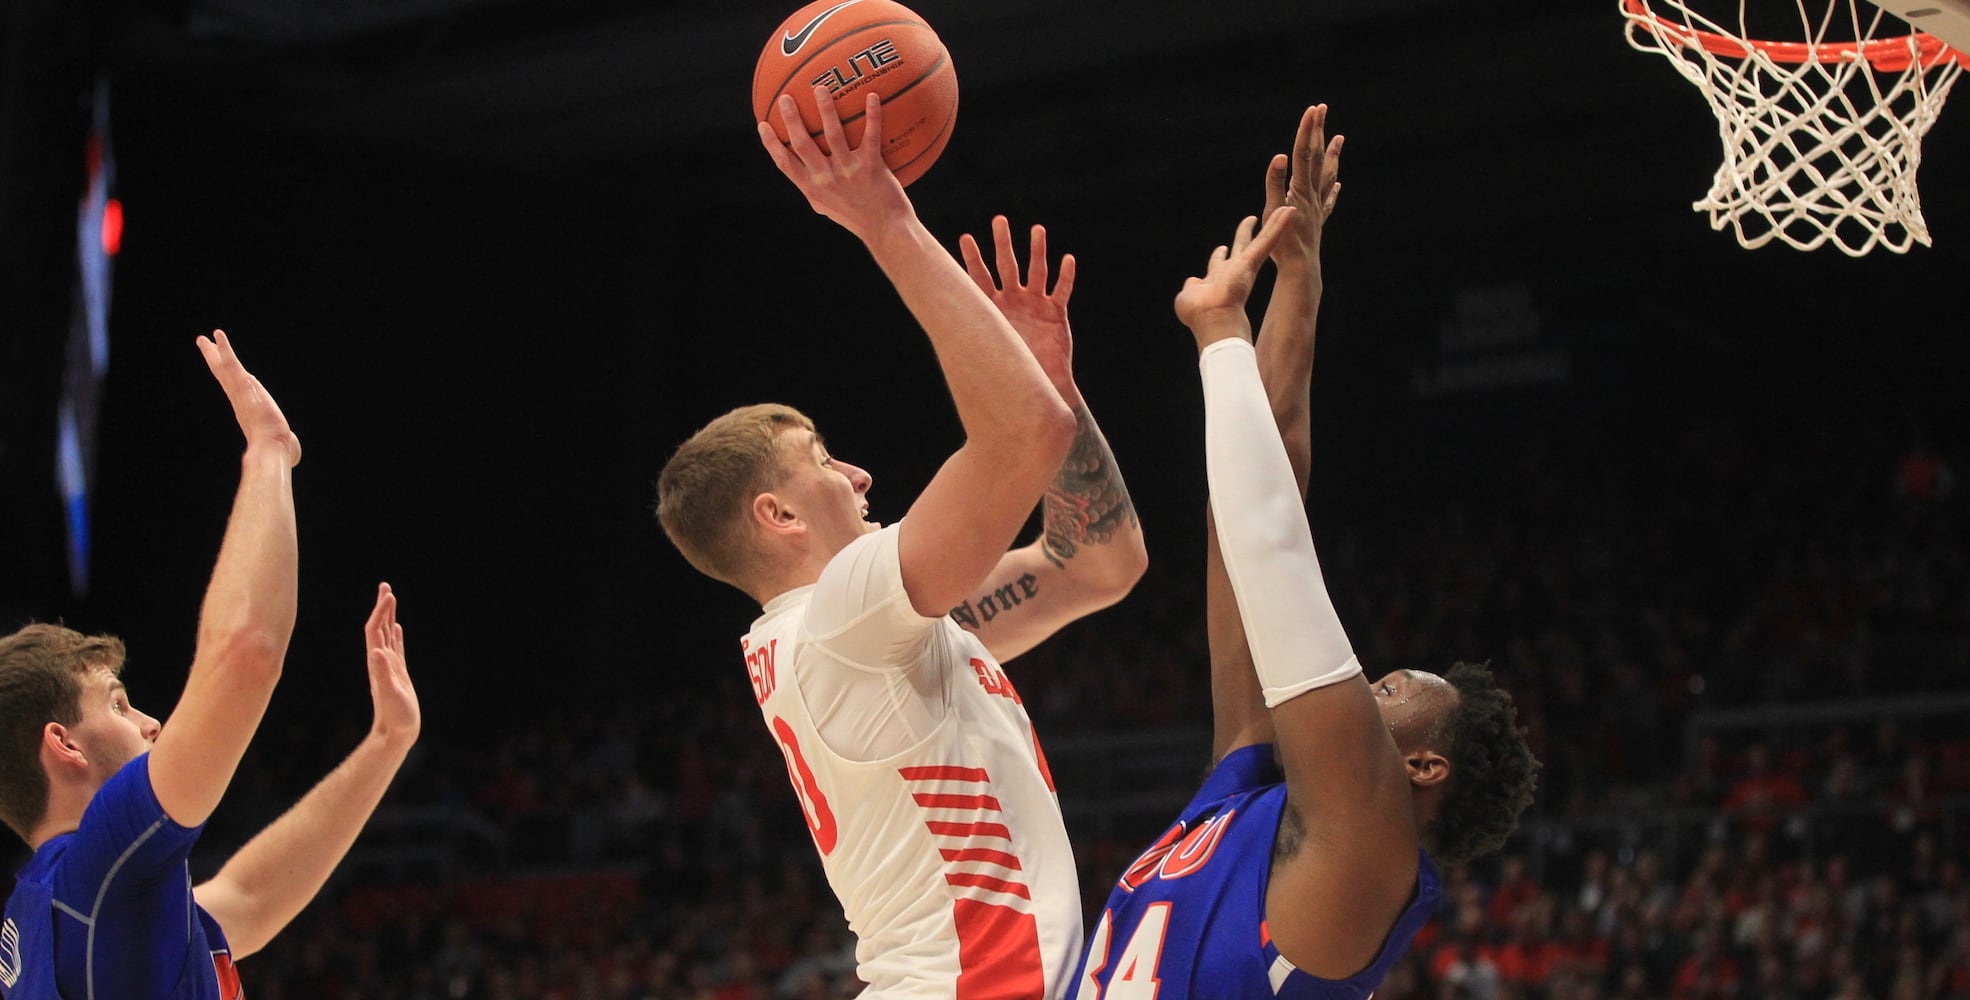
[
  {"x": 830, "y": 494},
  {"x": 112, "y": 732},
  {"x": 1413, "y": 702}
]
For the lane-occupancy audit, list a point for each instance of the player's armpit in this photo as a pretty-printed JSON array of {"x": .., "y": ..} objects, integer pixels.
[
  {"x": 1349, "y": 843},
  {"x": 1331, "y": 910},
  {"x": 236, "y": 913}
]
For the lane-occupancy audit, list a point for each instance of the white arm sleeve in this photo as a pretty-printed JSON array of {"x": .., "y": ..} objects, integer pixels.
[{"x": 1296, "y": 636}]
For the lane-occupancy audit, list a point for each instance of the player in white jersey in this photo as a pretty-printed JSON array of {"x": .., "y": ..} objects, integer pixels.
[{"x": 876, "y": 659}]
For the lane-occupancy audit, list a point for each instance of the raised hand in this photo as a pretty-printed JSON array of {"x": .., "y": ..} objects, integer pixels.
[
  {"x": 1307, "y": 182},
  {"x": 1038, "y": 316},
  {"x": 398, "y": 719},
  {"x": 1213, "y": 306},
  {"x": 259, "y": 416},
  {"x": 852, "y": 186}
]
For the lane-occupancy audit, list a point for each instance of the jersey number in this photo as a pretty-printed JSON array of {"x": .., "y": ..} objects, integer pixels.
[
  {"x": 813, "y": 805},
  {"x": 1134, "y": 977}
]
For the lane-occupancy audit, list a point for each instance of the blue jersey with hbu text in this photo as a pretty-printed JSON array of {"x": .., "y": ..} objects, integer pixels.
[
  {"x": 1187, "y": 920},
  {"x": 106, "y": 912}
]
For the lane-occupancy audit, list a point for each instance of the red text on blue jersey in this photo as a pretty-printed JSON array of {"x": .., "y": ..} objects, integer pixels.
[{"x": 1176, "y": 853}]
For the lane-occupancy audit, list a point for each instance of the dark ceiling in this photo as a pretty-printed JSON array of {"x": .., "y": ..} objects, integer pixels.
[{"x": 497, "y": 256}]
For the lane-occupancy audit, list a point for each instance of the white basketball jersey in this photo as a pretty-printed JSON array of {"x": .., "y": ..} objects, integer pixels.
[{"x": 928, "y": 797}]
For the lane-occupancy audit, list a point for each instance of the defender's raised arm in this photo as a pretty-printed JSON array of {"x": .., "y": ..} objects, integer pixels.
[{"x": 248, "y": 614}]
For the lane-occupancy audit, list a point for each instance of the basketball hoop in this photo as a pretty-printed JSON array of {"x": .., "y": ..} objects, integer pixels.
[{"x": 1821, "y": 138}]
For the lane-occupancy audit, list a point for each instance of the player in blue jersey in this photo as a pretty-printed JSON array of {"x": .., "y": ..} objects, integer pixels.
[
  {"x": 1306, "y": 864},
  {"x": 112, "y": 802}
]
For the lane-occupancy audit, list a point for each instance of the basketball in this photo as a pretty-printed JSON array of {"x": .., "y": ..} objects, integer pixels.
[{"x": 851, "y": 47}]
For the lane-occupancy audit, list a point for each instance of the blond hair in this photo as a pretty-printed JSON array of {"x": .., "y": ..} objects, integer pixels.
[
  {"x": 41, "y": 671},
  {"x": 705, "y": 491}
]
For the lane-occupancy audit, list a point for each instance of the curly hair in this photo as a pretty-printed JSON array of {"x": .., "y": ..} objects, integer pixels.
[{"x": 1494, "y": 771}]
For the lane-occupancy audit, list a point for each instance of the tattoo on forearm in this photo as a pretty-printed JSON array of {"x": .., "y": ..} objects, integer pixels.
[
  {"x": 1088, "y": 502},
  {"x": 990, "y": 606}
]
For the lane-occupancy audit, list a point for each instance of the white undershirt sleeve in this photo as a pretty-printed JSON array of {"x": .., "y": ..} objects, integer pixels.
[
  {"x": 872, "y": 669},
  {"x": 1296, "y": 636}
]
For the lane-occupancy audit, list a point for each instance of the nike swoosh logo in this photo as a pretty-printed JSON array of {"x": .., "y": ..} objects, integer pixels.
[{"x": 790, "y": 44}]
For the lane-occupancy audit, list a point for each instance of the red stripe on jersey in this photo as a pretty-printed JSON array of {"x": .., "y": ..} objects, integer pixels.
[
  {"x": 1000, "y": 858},
  {"x": 944, "y": 829},
  {"x": 956, "y": 801},
  {"x": 941, "y": 772},
  {"x": 998, "y": 952},
  {"x": 1041, "y": 756},
  {"x": 228, "y": 976},
  {"x": 988, "y": 882},
  {"x": 1265, "y": 934}
]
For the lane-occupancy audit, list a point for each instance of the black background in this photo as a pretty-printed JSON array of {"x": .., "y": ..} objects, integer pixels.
[{"x": 495, "y": 260}]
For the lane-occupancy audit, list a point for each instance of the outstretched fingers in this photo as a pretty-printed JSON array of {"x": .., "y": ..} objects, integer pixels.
[
  {"x": 1009, "y": 276},
  {"x": 1259, "y": 245},
  {"x": 1036, "y": 260},
  {"x": 1063, "y": 286},
  {"x": 259, "y": 417},
  {"x": 1252, "y": 243},
  {"x": 398, "y": 717},
  {"x": 216, "y": 350},
  {"x": 1317, "y": 161},
  {"x": 1330, "y": 168},
  {"x": 1308, "y": 145},
  {"x": 974, "y": 259},
  {"x": 974, "y": 265},
  {"x": 1002, "y": 254},
  {"x": 222, "y": 362},
  {"x": 1277, "y": 176},
  {"x": 1242, "y": 238},
  {"x": 381, "y": 628}
]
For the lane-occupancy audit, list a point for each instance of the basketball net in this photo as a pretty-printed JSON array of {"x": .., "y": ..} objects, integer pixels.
[{"x": 1821, "y": 138}]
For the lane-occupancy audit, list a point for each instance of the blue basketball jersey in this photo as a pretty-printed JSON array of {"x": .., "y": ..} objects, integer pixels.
[
  {"x": 1187, "y": 920},
  {"x": 106, "y": 912}
]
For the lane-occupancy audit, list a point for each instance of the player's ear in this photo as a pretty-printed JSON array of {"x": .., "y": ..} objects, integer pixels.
[
  {"x": 772, "y": 515},
  {"x": 1427, "y": 768},
  {"x": 57, "y": 749}
]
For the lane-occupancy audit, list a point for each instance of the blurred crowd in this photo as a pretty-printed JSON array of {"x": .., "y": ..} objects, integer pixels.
[{"x": 650, "y": 848}]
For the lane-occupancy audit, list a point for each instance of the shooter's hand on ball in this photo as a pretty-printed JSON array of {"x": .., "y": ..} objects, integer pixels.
[{"x": 852, "y": 186}]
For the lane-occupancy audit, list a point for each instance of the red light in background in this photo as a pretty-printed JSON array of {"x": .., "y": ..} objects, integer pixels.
[{"x": 112, "y": 226}]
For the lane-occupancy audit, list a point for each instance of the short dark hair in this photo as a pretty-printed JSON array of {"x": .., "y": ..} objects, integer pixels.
[
  {"x": 41, "y": 671},
  {"x": 1493, "y": 772}
]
